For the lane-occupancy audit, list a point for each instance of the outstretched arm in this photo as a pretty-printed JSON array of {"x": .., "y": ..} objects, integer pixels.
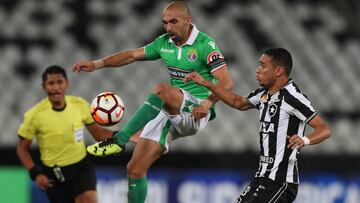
[
  {"x": 115, "y": 60},
  {"x": 231, "y": 99},
  {"x": 225, "y": 82}
]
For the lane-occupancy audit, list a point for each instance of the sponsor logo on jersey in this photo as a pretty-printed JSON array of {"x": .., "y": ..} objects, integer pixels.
[
  {"x": 167, "y": 50},
  {"x": 192, "y": 55},
  {"x": 272, "y": 110},
  {"x": 267, "y": 127},
  {"x": 178, "y": 73},
  {"x": 214, "y": 56},
  {"x": 266, "y": 159}
]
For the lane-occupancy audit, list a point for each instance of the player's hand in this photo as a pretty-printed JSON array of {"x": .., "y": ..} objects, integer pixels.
[
  {"x": 295, "y": 141},
  {"x": 44, "y": 182},
  {"x": 199, "y": 112},
  {"x": 196, "y": 77},
  {"x": 87, "y": 66}
]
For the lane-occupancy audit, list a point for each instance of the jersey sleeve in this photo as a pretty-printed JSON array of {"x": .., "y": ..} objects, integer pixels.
[
  {"x": 28, "y": 127},
  {"x": 254, "y": 97},
  {"x": 152, "y": 50},
  {"x": 299, "y": 105},
  {"x": 85, "y": 110},
  {"x": 213, "y": 56}
]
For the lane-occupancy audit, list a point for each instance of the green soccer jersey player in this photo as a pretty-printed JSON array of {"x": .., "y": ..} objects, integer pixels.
[{"x": 171, "y": 111}]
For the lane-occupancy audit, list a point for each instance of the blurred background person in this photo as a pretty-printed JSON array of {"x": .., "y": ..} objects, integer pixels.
[{"x": 57, "y": 122}]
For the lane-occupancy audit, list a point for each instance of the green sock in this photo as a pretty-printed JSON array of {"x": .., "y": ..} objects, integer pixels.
[
  {"x": 148, "y": 111},
  {"x": 137, "y": 190}
]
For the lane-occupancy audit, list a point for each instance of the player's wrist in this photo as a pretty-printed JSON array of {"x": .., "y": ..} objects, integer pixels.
[
  {"x": 305, "y": 140},
  {"x": 98, "y": 63},
  {"x": 34, "y": 172}
]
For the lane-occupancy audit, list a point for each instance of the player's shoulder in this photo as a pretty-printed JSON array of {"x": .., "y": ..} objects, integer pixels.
[
  {"x": 258, "y": 92},
  {"x": 204, "y": 38},
  {"x": 42, "y": 105},
  {"x": 206, "y": 43},
  {"x": 293, "y": 90}
]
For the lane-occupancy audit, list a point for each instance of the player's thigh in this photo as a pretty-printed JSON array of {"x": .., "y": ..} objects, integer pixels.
[
  {"x": 247, "y": 194},
  {"x": 146, "y": 152},
  {"x": 60, "y": 193},
  {"x": 84, "y": 182},
  {"x": 265, "y": 190},
  {"x": 289, "y": 195},
  {"x": 171, "y": 96}
]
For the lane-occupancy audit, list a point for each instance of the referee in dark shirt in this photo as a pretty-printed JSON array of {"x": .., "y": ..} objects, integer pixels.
[{"x": 284, "y": 112}]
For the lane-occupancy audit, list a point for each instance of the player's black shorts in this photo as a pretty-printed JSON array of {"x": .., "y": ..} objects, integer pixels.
[
  {"x": 76, "y": 179},
  {"x": 265, "y": 190}
]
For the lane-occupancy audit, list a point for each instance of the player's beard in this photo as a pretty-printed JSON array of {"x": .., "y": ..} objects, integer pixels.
[{"x": 175, "y": 37}]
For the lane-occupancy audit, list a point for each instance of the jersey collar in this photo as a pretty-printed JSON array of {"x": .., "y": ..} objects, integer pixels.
[
  {"x": 62, "y": 109},
  {"x": 194, "y": 33}
]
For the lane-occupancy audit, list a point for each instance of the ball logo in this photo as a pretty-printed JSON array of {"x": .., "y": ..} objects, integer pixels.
[
  {"x": 107, "y": 109},
  {"x": 118, "y": 113}
]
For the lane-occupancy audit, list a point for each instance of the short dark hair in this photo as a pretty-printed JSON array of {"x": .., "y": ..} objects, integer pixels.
[
  {"x": 54, "y": 69},
  {"x": 281, "y": 57}
]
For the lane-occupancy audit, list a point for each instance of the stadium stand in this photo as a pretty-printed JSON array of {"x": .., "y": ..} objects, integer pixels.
[{"x": 320, "y": 34}]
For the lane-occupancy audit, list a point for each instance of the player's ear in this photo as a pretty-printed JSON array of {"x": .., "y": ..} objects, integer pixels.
[
  {"x": 280, "y": 70},
  {"x": 188, "y": 20}
]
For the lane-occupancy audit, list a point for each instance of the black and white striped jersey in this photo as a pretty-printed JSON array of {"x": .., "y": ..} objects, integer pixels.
[{"x": 284, "y": 113}]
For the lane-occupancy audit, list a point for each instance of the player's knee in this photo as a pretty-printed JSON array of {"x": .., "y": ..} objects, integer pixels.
[{"x": 160, "y": 89}]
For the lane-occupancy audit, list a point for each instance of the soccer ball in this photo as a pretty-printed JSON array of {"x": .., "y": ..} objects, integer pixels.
[{"x": 107, "y": 109}]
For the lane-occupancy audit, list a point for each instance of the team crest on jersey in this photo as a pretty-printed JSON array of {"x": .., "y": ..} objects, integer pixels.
[
  {"x": 192, "y": 55},
  {"x": 272, "y": 110}
]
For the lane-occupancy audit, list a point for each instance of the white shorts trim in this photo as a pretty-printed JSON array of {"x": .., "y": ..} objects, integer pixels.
[{"x": 179, "y": 125}]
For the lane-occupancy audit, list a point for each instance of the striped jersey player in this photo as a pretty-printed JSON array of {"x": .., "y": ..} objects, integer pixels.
[{"x": 284, "y": 111}]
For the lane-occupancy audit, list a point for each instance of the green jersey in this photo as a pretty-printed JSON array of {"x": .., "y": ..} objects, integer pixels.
[{"x": 199, "y": 53}]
